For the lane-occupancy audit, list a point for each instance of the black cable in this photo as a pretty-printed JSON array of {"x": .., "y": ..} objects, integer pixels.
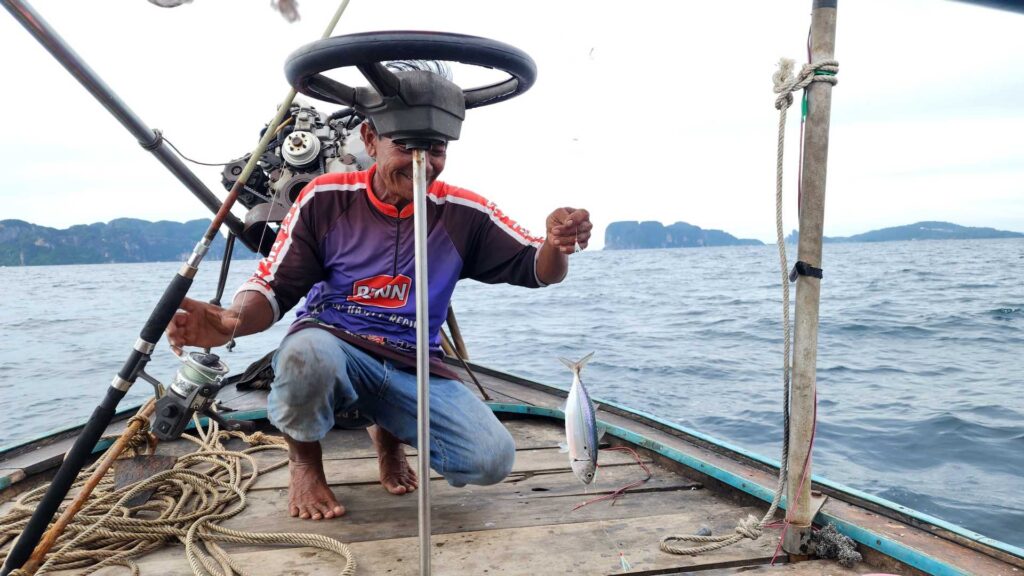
[{"x": 175, "y": 148}]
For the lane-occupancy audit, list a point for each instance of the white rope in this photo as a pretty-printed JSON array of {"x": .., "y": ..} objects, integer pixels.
[
  {"x": 752, "y": 527},
  {"x": 187, "y": 503}
]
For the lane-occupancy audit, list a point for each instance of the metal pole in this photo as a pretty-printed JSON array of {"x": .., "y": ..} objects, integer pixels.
[
  {"x": 808, "y": 288},
  {"x": 419, "y": 179},
  {"x": 146, "y": 136}
]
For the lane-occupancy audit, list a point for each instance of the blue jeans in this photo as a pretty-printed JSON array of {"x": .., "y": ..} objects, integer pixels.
[{"x": 318, "y": 374}]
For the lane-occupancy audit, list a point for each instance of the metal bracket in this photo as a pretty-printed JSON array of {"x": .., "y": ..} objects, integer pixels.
[{"x": 797, "y": 541}]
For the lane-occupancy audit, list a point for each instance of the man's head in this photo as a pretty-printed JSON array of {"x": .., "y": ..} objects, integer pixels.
[
  {"x": 394, "y": 161},
  {"x": 393, "y": 179}
]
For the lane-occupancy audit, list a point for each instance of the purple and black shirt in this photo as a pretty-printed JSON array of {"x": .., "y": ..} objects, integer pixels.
[{"x": 352, "y": 257}]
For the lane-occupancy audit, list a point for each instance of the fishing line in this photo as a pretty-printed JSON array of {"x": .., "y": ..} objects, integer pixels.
[
  {"x": 285, "y": 105},
  {"x": 623, "y": 562}
]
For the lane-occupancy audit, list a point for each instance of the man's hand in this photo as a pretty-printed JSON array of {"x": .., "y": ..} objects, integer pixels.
[
  {"x": 568, "y": 231},
  {"x": 568, "y": 228},
  {"x": 201, "y": 325}
]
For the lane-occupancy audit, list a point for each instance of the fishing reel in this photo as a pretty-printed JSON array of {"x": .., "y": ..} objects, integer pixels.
[
  {"x": 308, "y": 143},
  {"x": 193, "y": 390}
]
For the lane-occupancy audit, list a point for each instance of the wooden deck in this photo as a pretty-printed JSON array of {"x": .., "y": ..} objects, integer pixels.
[{"x": 524, "y": 525}]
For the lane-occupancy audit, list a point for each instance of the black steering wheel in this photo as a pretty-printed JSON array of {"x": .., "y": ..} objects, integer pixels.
[{"x": 366, "y": 51}]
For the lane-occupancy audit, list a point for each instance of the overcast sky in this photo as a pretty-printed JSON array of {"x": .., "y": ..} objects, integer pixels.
[{"x": 641, "y": 110}]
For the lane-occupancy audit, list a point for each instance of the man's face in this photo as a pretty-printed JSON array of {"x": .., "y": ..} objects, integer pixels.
[{"x": 394, "y": 164}]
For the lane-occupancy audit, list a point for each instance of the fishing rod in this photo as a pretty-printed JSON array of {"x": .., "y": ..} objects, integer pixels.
[
  {"x": 170, "y": 301},
  {"x": 150, "y": 139}
]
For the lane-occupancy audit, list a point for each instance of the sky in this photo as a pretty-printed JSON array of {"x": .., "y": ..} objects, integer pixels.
[{"x": 641, "y": 110}]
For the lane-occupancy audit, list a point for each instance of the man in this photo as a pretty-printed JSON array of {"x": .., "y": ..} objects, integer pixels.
[{"x": 347, "y": 245}]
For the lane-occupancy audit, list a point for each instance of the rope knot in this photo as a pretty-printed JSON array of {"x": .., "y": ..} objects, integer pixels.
[
  {"x": 142, "y": 420},
  {"x": 749, "y": 527},
  {"x": 785, "y": 83}
]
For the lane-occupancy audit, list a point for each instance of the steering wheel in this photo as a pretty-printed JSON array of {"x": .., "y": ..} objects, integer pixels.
[{"x": 366, "y": 51}]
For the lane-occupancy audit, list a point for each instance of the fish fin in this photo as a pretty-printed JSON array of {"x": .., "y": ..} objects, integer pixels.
[
  {"x": 563, "y": 448},
  {"x": 576, "y": 366}
]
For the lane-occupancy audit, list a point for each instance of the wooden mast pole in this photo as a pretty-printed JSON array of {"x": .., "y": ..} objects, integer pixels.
[{"x": 808, "y": 288}]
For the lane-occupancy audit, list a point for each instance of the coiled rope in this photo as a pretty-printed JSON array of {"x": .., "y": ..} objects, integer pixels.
[
  {"x": 752, "y": 527},
  {"x": 204, "y": 488}
]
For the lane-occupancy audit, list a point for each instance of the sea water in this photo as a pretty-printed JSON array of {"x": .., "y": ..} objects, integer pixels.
[{"x": 920, "y": 362}]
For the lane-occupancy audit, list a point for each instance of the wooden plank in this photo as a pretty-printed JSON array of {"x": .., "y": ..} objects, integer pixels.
[
  {"x": 374, "y": 514},
  {"x": 590, "y": 547},
  {"x": 349, "y": 471},
  {"x": 528, "y": 434}
]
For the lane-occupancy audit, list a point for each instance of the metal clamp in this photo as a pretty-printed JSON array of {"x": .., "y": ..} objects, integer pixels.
[{"x": 802, "y": 268}]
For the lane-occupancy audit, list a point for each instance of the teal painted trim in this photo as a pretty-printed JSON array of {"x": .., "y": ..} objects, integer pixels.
[
  {"x": 880, "y": 502},
  {"x": 883, "y": 544},
  {"x": 891, "y": 548},
  {"x": 243, "y": 415},
  {"x": 4, "y": 483}
]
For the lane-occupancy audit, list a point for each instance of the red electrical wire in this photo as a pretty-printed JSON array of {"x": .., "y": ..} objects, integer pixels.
[
  {"x": 620, "y": 491},
  {"x": 803, "y": 476}
]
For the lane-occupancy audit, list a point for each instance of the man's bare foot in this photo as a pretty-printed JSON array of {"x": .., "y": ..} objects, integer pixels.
[
  {"x": 309, "y": 495},
  {"x": 395, "y": 474}
]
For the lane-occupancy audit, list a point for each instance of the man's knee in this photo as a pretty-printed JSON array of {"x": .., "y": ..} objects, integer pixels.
[
  {"x": 304, "y": 370},
  {"x": 493, "y": 461}
]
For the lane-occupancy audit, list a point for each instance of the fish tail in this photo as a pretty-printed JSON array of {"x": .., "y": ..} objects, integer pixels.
[{"x": 576, "y": 367}]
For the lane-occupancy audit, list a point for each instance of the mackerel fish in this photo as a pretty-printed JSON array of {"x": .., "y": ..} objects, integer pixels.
[{"x": 580, "y": 424}]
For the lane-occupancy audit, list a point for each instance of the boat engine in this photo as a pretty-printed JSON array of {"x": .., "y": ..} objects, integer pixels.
[{"x": 308, "y": 144}]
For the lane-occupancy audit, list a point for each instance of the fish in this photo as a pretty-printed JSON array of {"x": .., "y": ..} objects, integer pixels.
[{"x": 580, "y": 424}]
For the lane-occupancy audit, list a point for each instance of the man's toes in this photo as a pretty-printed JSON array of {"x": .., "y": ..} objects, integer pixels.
[
  {"x": 293, "y": 510},
  {"x": 304, "y": 513},
  {"x": 338, "y": 510},
  {"x": 325, "y": 509}
]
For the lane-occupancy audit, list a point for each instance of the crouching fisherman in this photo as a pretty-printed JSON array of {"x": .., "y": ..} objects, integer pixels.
[{"x": 347, "y": 245}]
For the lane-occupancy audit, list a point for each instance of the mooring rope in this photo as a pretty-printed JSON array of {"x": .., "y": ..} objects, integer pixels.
[
  {"x": 204, "y": 488},
  {"x": 752, "y": 527}
]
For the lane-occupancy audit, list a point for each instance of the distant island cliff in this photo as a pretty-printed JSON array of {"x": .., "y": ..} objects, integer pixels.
[
  {"x": 638, "y": 235},
  {"x": 121, "y": 240},
  {"x": 632, "y": 235},
  {"x": 928, "y": 230}
]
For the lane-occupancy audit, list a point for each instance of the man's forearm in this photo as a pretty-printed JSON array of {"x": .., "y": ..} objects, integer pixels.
[
  {"x": 552, "y": 265},
  {"x": 254, "y": 312}
]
